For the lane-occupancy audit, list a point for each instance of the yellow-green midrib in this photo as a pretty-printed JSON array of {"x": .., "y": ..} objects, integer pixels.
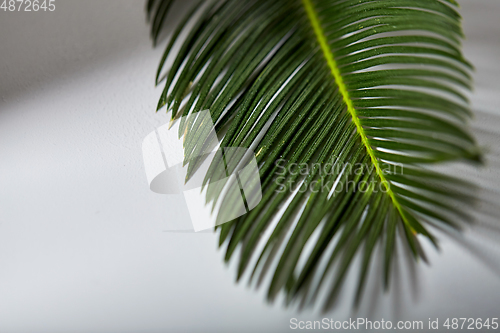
[{"x": 332, "y": 64}]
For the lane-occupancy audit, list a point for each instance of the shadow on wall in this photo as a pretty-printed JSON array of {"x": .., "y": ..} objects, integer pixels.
[{"x": 38, "y": 48}]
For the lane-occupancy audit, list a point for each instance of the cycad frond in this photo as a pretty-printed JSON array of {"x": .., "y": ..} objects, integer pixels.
[{"x": 372, "y": 85}]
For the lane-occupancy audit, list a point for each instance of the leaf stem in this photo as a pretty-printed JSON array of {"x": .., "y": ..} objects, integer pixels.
[{"x": 330, "y": 59}]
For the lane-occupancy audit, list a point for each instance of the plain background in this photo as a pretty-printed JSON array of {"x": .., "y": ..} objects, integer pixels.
[{"x": 82, "y": 241}]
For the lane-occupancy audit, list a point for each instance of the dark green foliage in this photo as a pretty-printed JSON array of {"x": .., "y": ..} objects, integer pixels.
[{"x": 401, "y": 103}]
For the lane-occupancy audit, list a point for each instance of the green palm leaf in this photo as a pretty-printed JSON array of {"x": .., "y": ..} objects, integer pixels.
[{"x": 356, "y": 92}]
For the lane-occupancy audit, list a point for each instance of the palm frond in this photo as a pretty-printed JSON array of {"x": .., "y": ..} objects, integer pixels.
[{"x": 356, "y": 93}]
